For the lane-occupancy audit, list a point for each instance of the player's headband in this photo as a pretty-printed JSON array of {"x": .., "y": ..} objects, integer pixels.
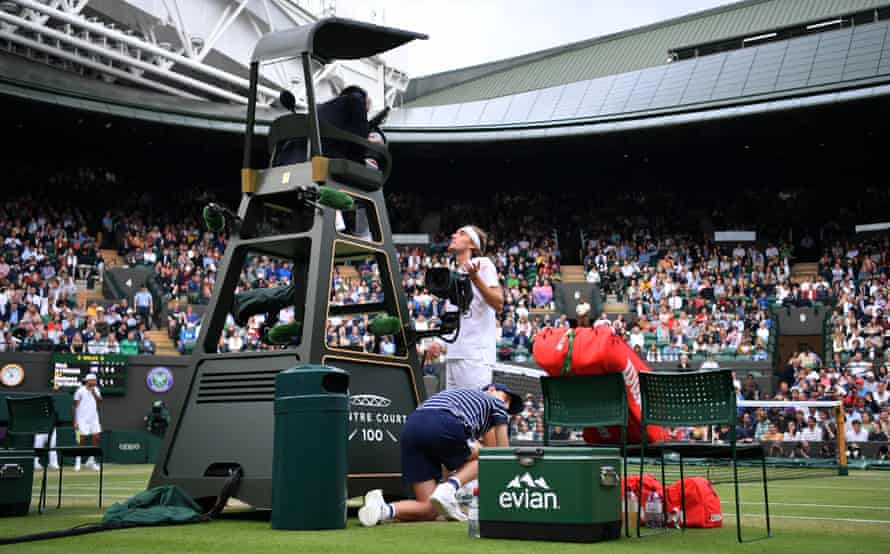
[{"x": 474, "y": 236}]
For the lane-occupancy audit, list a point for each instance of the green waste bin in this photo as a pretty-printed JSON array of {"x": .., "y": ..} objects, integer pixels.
[
  {"x": 309, "y": 463},
  {"x": 16, "y": 481}
]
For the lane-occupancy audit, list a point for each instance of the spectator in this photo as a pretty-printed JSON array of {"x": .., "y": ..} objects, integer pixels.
[
  {"x": 710, "y": 363},
  {"x": 791, "y": 434},
  {"x": 745, "y": 430},
  {"x": 144, "y": 305},
  {"x": 812, "y": 432},
  {"x": 130, "y": 345},
  {"x": 855, "y": 433},
  {"x": 762, "y": 427},
  {"x": 187, "y": 338}
]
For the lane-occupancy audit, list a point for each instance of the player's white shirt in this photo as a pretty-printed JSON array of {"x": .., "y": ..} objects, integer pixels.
[
  {"x": 478, "y": 331},
  {"x": 87, "y": 410}
]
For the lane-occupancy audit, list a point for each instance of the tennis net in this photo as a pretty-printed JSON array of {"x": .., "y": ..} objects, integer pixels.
[{"x": 795, "y": 447}]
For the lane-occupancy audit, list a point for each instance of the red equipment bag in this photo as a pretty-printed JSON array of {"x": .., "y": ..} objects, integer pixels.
[
  {"x": 596, "y": 351},
  {"x": 650, "y": 483},
  {"x": 702, "y": 503},
  {"x": 551, "y": 349}
]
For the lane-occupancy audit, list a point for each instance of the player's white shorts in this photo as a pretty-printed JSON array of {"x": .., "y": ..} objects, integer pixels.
[
  {"x": 85, "y": 429},
  {"x": 467, "y": 374}
]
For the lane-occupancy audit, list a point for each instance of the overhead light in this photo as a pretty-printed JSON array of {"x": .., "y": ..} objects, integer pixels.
[
  {"x": 764, "y": 36},
  {"x": 824, "y": 24}
]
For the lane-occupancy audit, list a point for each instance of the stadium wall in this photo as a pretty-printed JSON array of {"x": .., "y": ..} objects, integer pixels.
[{"x": 117, "y": 412}]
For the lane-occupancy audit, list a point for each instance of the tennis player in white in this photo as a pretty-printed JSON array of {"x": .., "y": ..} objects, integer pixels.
[
  {"x": 471, "y": 357},
  {"x": 86, "y": 417}
]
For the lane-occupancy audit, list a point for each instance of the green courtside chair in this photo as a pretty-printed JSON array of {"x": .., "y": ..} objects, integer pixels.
[
  {"x": 35, "y": 415},
  {"x": 588, "y": 401},
  {"x": 26, "y": 420},
  {"x": 677, "y": 399}
]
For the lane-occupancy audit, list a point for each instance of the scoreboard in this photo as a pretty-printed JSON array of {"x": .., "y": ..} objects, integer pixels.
[{"x": 110, "y": 370}]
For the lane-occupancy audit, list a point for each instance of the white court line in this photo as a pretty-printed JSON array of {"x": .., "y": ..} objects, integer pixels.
[
  {"x": 843, "y": 507},
  {"x": 80, "y": 489},
  {"x": 806, "y": 487},
  {"x": 105, "y": 497},
  {"x": 813, "y": 518}
]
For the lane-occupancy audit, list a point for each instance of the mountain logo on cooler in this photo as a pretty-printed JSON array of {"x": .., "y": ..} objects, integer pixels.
[{"x": 524, "y": 492}]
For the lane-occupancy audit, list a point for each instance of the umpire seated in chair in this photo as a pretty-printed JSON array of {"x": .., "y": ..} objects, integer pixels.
[{"x": 347, "y": 112}]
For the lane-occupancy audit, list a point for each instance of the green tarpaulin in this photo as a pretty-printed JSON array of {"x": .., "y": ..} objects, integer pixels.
[{"x": 161, "y": 505}]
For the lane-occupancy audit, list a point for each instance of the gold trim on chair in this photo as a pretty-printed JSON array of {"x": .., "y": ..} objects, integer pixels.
[
  {"x": 248, "y": 181},
  {"x": 319, "y": 169}
]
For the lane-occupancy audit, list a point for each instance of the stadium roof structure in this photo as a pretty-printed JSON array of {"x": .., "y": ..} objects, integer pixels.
[
  {"x": 620, "y": 52},
  {"x": 38, "y": 82},
  {"x": 747, "y": 57},
  {"x": 725, "y": 63}
]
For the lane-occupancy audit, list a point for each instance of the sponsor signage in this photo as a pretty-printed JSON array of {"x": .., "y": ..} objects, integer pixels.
[
  {"x": 381, "y": 399},
  {"x": 525, "y": 492}
]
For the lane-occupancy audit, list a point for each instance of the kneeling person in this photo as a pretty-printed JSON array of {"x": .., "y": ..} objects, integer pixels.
[{"x": 444, "y": 431}]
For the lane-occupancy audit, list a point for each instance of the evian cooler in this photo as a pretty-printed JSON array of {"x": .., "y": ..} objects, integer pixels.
[{"x": 555, "y": 493}]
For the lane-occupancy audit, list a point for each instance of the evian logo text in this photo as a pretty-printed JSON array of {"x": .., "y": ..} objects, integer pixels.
[{"x": 524, "y": 492}]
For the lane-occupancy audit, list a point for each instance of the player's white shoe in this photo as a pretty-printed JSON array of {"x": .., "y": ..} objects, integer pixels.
[
  {"x": 371, "y": 513},
  {"x": 445, "y": 501}
]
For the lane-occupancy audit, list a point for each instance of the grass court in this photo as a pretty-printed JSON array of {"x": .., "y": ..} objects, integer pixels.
[{"x": 811, "y": 515}]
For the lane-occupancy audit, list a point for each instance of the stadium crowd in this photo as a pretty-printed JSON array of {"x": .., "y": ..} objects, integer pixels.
[
  {"x": 46, "y": 248},
  {"x": 690, "y": 297},
  {"x": 857, "y": 276}
]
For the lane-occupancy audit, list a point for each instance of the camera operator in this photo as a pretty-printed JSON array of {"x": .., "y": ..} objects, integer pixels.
[{"x": 470, "y": 357}]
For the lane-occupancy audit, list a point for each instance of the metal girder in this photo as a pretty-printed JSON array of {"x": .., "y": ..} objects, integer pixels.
[
  {"x": 148, "y": 46},
  {"x": 221, "y": 27},
  {"x": 180, "y": 27},
  {"x": 122, "y": 58},
  {"x": 92, "y": 64},
  {"x": 184, "y": 72},
  {"x": 295, "y": 13},
  {"x": 395, "y": 83}
]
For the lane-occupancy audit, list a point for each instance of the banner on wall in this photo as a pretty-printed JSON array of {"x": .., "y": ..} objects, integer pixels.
[{"x": 735, "y": 236}]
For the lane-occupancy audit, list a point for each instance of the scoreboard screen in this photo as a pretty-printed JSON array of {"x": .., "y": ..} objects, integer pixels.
[{"x": 110, "y": 370}]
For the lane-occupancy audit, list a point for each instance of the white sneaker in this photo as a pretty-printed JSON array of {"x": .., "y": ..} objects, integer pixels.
[
  {"x": 445, "y": 501},
  {"x": 77, "y": 465},
  {"x": 53, "y": 466},
  {"x": 371, "y": 513},
  {"x": 37, "y": 466}
]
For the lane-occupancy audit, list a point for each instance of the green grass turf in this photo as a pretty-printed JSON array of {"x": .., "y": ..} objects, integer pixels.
[{"x": 828, "y": 514}]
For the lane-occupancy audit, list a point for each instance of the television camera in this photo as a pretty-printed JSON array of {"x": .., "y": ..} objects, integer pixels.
[{"x": 442, "y": 283}]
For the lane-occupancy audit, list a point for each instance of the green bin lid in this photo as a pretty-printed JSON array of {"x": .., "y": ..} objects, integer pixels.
[{"x": 312, "y": 380}]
